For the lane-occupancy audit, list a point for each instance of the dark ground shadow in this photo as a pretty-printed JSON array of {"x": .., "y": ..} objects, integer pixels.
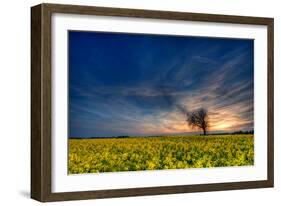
[{"x": 24, "y": 193}]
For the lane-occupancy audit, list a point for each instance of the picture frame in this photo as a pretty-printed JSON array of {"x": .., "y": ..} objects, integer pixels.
[{"x": 43, "y": 87}]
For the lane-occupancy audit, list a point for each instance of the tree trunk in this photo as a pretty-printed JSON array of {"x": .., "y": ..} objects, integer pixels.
[{"x": 204, "y": 130}]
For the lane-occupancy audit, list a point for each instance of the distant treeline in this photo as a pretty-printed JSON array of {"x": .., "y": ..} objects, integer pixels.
[
  {"x": 244, "y": 132},
  {"x": 236, "y": 132},
  {"x": 126, "y": 136}
]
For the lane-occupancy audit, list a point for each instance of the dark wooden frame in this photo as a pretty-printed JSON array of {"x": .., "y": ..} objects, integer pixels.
[{"x": 41, "y": 101}]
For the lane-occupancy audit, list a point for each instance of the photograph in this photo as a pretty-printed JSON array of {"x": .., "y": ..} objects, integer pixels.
[
  {"x": 133, "y": 102},
  {"x": 154, "y": 102}
]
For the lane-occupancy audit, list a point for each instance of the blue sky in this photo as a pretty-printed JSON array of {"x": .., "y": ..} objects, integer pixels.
[{"x": 141, "y": 84}]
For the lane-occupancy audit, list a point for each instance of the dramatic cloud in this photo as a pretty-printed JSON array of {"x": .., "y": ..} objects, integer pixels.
[{"x": 128, "y": 84}]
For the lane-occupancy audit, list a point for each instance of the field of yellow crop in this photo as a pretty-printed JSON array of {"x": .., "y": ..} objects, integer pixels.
[{"x": 156, "y": 153}]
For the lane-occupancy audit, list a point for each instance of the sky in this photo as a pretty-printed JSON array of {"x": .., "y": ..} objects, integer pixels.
[{"x": 141, "y": 84}]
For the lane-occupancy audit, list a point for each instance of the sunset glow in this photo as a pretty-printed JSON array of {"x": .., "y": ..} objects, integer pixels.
[{"x": 129, "y": 84}]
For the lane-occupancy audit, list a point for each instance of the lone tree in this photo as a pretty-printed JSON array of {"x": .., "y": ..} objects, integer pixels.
[{"x": 199, "y": 119}]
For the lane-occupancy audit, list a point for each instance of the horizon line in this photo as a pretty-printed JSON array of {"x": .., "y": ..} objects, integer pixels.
[{"x": 167, "y": 134}]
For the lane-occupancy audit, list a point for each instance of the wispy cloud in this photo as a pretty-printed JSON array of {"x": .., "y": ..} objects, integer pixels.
[{"x": 152, "y": 96}]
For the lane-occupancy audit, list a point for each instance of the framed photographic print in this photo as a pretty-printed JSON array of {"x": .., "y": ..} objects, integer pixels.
[{"x": 132, "y": 102}]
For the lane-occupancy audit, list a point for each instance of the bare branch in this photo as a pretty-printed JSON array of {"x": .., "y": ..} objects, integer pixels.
[{"x": 199, "y": 119}]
